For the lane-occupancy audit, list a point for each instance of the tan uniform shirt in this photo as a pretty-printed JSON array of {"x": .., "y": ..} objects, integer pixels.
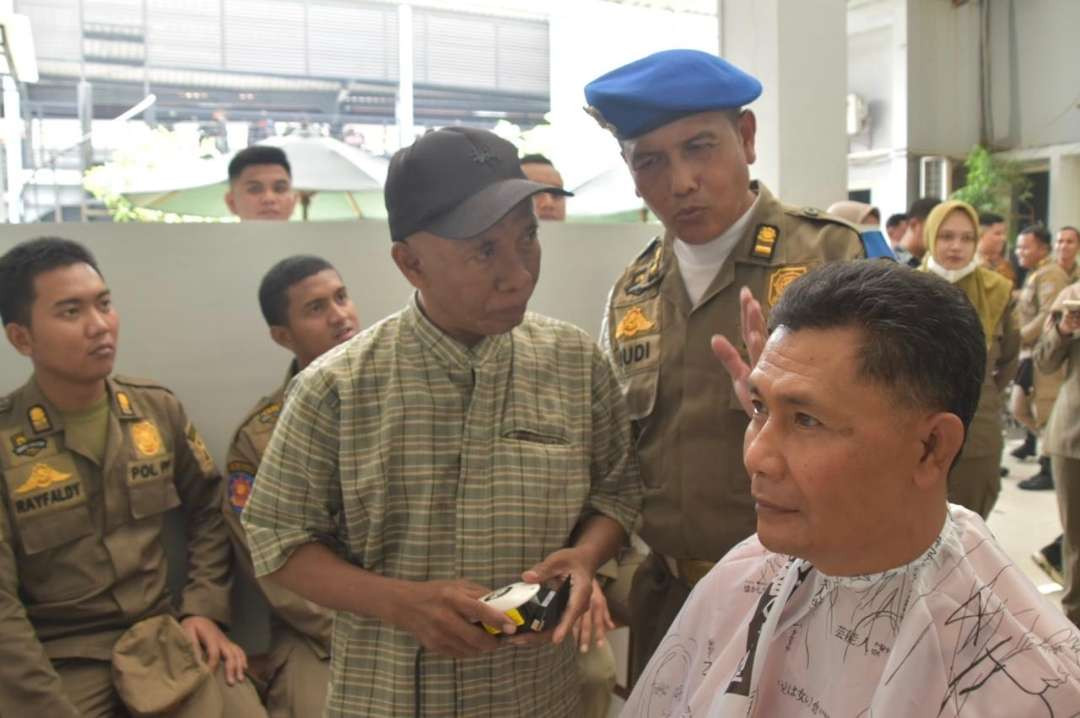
[
  {"x": 245, "y": 454},
  {"x": 81, "y": 551},
  {"x": 1041, "y": 287},
  {"x": 688, "y": 422},
  {"x": 1053, "y": 353}
]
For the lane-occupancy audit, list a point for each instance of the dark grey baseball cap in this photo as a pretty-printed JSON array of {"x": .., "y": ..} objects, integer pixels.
[{"x": 455, "y": 182}]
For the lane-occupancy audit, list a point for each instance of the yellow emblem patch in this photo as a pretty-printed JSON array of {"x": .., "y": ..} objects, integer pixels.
[
  {"x": 124, "y": 403},
  {"x": 780, "y": 280},
  {"x": 39, "y": 419},
  {"x": 270, "y": 413},
  {"x": 635, "y": 322},
  {"x": 146, "y": 437},
  {"x": 42, "y": 477}
]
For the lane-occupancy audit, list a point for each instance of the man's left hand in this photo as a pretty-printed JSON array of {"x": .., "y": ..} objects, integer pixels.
[
  {"x": 212, "y": 644},
  {"x": 569, "y": 564}
]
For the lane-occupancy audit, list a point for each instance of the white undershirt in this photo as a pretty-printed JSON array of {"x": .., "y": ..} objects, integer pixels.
[{"x": 699, "y": 263}]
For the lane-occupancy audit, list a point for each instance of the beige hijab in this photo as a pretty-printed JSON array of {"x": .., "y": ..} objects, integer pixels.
[{"x": 987, "y": 290}]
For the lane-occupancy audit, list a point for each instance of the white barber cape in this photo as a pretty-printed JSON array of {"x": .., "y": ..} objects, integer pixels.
[{"x": 958, "y": 632}]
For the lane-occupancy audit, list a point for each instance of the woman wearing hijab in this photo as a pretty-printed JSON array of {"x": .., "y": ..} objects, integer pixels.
[{"x": 951, "y": 234}]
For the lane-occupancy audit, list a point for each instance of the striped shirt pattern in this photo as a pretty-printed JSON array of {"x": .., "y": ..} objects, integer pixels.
[{"x": 420, "y": 459}]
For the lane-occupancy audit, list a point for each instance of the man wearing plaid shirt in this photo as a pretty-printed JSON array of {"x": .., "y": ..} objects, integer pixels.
[{"x": 455, "y": 447}]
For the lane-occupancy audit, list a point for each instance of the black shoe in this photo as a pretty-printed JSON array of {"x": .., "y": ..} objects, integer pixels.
[
  {"x": 1026, "y": 449},
  {"x": 1048, "y": 558},
  {"x": 1042, "y": 481}
]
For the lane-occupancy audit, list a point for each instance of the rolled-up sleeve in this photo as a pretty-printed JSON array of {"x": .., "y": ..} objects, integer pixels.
[
  {"x": 298, "y": 491},
  {"x": 616, "y": 483}
]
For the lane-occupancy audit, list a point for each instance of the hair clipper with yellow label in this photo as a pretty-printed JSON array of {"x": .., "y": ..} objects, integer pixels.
[{"x": 530, "y": 606}]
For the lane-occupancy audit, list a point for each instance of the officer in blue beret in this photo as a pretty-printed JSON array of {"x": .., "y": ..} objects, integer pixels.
[{"x": 680, "y": 120}]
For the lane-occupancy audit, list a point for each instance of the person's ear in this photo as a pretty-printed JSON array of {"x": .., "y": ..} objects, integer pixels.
[
  {"x": 747, "y": 128},
  {"x": 230, "y": 202},
  {"x": 408, "y": 262},
  {"x": 942, "y": 437},
  {"x": 283, "y": 337},
  {"x": 19, "y": 337}
]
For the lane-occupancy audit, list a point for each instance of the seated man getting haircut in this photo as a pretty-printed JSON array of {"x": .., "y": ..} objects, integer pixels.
[
  {"x": 309, "y": 312},
  {"x": 863, "y": 592}
]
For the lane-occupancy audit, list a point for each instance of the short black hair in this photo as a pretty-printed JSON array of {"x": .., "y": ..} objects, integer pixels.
[
  {"x": 21, "y": 264},
  {"x": 903, "y": 316},
  {"x": 536, "y": 159},
  {"x": 275, "y": 284},
  {"x": 1039, "y": 231},
  {"x": 921, "y": 208},
  {"x": 895, "y": 219},
  {"x": 257, "y": 155},
  {"x": 988, "y": 219}
]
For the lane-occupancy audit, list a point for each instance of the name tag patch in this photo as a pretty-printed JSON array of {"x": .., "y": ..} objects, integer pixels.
[
  {"x": 43, "y": 486},
  {"x": 139, "y": 471}
]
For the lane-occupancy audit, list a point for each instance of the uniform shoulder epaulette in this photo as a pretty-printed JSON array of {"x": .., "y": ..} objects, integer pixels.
[
  {"x": 139, "y": 383},
  {"x": 264, "y": 414},
  {"x": 651, "y": 249},
  {"x": 819, "y": 215},
  {"x": 644, "y": 271}
]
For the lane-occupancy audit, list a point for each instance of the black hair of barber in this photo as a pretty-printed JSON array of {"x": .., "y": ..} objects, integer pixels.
[
  {"x": 922, "y": 339},
  {"x": 1039, "y": 232},
  {"x": 275, "y": 284},
  {"x": 25, "y": 261},
  {"x": 257, "y": 155}
]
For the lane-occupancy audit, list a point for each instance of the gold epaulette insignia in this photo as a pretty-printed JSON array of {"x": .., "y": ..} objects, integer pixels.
[
  {"x": 39, "y": 418},
  {"x": 123, "y": 403},
  {"x": 765, "y": 241}
]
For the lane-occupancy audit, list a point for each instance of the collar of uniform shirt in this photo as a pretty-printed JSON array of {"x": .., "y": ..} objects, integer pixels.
[{"x": 699, "y": 263}]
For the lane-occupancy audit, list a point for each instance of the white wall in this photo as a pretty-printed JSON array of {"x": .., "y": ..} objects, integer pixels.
[
  {"x": 1035, "y": 72},
  {"x": 798, "y": 50}
]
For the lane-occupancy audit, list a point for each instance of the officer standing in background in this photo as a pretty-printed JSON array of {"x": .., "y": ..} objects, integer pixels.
[
  {"x": 260, "y": 185},
  {"x": 309, "y": 311},
  {"x": 91, "y": 463},
  {"x": 679, "y": 119}
]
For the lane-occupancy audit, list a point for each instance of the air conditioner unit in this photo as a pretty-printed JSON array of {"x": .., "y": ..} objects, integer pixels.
[{"x": 935, "y": 176}]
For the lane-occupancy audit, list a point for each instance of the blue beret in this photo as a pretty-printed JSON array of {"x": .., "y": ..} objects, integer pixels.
[{"x": 658, "y": 89}]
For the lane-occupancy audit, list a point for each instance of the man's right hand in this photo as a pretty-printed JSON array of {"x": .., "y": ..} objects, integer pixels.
[
  {"x": 754, "y": 334},
  {"x": 444, "y": 617}
]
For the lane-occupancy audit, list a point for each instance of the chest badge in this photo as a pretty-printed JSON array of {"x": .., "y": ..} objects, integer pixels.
[
  {"x": 42, "y": 477},
  {"x": 635, "y": 322},
  {"x": 780, "y": 280},
  {"x": 146, "y": 437}
]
